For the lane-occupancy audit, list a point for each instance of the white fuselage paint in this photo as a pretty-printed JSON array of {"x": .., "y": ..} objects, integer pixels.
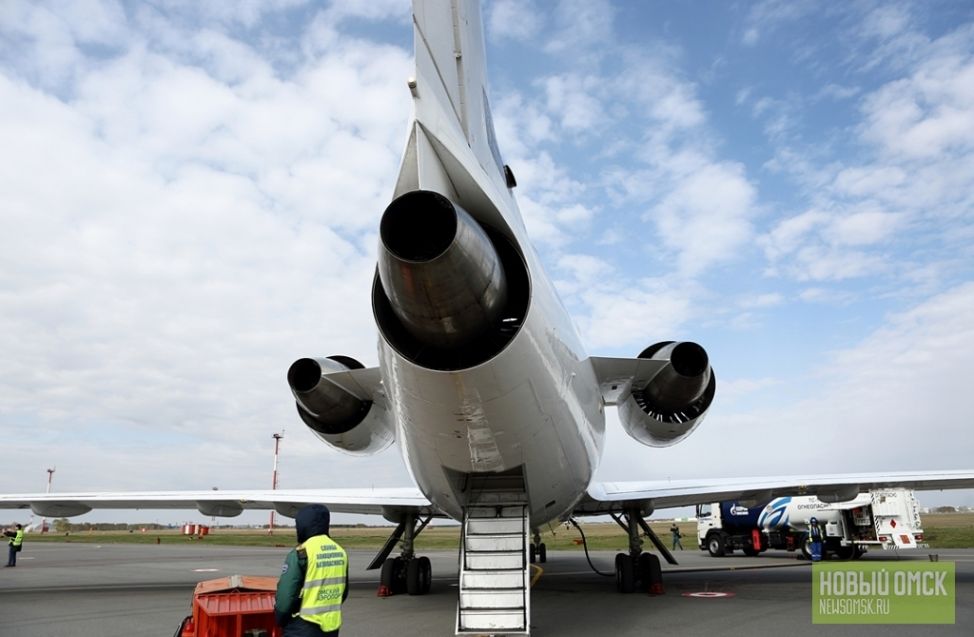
[{"x": 536, "y": 404}]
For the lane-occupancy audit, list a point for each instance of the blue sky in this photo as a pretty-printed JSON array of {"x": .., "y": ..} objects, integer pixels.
[{"x": 191, "y": 195}]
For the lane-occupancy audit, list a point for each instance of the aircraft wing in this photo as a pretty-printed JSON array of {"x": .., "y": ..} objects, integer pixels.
[
  {"x": 608, "y": 497},
  {"x": 388, "y": 502}
]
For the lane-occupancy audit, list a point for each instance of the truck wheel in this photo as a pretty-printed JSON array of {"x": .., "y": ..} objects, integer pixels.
[
  {"x": 716, "y": 545},
  {"x": 806, "y": 546},
  {"x": 749, "y": 550},
  {"x": 845, "y": 552}
]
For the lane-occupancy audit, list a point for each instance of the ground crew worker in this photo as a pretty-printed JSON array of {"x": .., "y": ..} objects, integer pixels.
[
  {"x": 816, "y": 539},
  {"x": 16, "y": 544},
  {"x": 675, "y": 530},
  {"x": 314, "y": 579}
]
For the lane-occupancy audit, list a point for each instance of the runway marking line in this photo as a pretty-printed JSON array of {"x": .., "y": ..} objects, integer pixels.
[
  {"x": 708, "y": 594},
  {"x": 537, "y": 575}
]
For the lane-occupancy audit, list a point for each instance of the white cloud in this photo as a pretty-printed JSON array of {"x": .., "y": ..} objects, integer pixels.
[
  {"x": 862, "y": 228},
  {"x": 930, "y": 112},
  {"x": 583, "y": 26},
  {"x": 171, "y": 243},
  {"x": 770, "y": 299},
  {"x": 571, "y": 100},
  {"x": 705, "y": 217},
  {"x": 514, "y": 19},
  {"x": 634, "y": 317}
]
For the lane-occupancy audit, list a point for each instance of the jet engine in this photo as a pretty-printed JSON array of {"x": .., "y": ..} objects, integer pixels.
[
  {"x": 450, "y": 292},
  {"x": 346, "y": 420},
  {"x": 666, "y": 409}
]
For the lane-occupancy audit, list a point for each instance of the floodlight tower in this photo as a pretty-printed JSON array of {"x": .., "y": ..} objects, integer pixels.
[
  {"x": 50, "y": 479},
  {"x": 277, "y": 448}
]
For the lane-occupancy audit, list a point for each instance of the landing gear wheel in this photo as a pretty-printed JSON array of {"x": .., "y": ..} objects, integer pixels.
[
  {"x": 542, "y": 553},
  {"x": 414, "y": 583},
  {"x": 650, "y": 573},
  {"x": 715, "y": 545},
  {"x": 425, "y": 575},
  {"x": 625, "y": 575},
  {"x": 398, "y": 576},
  {"x": 391, "y": 575},
  {"x": 532, "y": 554}
]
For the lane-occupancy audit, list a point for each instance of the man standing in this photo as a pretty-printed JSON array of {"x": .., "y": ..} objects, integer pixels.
[
  {"x": 815, "y": 537},
  {"x": 16, "y": 543},
  {"x": 314, "y": 579},
  {"x": 675, "y": 530}
]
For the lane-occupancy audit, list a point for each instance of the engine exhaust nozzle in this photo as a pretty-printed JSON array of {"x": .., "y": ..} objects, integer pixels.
[{"x": 439, "y": 270}]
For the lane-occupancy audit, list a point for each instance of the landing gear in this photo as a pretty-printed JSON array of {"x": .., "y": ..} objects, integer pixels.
[
  {"x": 419, "y": 574},
  {"x": 638, "y": 569},
  {"x": 406, "y": 573},
  {"x": 537, "y": 551}
]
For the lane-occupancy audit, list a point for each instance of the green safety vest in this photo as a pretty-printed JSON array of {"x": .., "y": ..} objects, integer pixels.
[
  {"x": 324, "y": 583},
  {"x": 18, "y": 539}
]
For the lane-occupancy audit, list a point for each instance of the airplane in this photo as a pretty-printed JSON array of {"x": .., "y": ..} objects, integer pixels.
[{"x": 482, "y": 378}]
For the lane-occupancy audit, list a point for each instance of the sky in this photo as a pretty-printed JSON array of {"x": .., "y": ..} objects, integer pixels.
[{"x": 190, "y": 195}]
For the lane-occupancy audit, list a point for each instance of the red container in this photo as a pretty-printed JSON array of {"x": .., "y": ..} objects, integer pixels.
[{"x": 235, "y": 606}]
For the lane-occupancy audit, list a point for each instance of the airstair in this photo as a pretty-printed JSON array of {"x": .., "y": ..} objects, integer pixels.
[{"x": 494, "y": 571}]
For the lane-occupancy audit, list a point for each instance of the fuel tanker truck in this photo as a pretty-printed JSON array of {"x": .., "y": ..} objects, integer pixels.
[{"x": 882, "y": 518}]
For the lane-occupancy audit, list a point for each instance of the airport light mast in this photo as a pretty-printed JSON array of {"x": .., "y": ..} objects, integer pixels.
[
  {"x": 50, "y": 479},
  {"x": 277, "y": 447}
]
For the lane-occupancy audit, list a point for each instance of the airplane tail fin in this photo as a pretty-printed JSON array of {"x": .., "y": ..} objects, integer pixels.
[{"x": 452, "y": 148}]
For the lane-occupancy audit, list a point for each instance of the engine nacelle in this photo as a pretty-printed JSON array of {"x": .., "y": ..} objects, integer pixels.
[
  {"x": 449, "y": 292},
  {"x": 345, "y": 421},
  {"x": 671, "y": 405}
]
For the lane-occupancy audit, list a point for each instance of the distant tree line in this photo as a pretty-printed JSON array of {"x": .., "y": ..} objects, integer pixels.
[{"x": 64, "y": 525}]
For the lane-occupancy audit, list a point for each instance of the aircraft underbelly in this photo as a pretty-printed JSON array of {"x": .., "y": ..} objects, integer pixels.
[{"x": 522, "y": 410}]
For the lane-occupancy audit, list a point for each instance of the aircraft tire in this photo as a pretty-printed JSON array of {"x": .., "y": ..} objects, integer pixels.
[
  {"x": 387, "y": 576},
  {"x": 532, "y": 553},
  {"x": 398, "y": 576},
  {"x": 425, "y": 575},
  {"x": 542, "y": 553},
  {"x": 650, "y": 572},
  {"x": 625, "y": 574},
  {"x": 414, "y": 577}
]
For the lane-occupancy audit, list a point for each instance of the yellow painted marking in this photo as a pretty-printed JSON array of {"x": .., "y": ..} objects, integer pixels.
[{"x": 537, "y": 574}]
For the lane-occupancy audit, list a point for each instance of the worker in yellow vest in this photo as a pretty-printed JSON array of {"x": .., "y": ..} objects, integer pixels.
[
  {"x": 16, "y": 544},
  {"x": 314, "y": 579}
]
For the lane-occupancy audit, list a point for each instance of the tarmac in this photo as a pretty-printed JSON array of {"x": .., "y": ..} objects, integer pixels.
[{"x": 88, "y": 590}]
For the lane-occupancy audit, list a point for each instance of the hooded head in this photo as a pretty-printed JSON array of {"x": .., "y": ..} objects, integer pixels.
[
  {"x": 312, "y": 520},
  {"x": 813, "y": 520}
]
